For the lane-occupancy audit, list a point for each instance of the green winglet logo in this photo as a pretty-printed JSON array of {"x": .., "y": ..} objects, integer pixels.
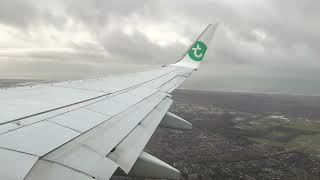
[{"x": 197, "y": 51}]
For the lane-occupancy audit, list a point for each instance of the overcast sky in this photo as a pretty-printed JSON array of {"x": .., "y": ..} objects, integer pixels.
[{"x": 260, "y": 46}]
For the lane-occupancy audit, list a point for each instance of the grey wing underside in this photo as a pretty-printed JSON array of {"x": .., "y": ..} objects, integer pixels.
[{"x": 89, "y": 130}]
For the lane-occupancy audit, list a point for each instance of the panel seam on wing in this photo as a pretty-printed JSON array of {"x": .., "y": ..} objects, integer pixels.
[
  {"x": 18, "y": 151},
  {"x": 65, "y": 166},
  {"x": 50, "y": 110},
  {"x": 128, "y": 109}
]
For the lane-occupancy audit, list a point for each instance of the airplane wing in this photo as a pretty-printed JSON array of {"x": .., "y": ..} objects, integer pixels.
[{"x": 84, "y": 130}]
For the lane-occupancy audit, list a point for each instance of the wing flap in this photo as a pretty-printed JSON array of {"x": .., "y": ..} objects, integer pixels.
[
  {"x": 45, "y": 170},
  {"x": 15, "y": 165},
  {"x": 85, "y": 160},
  {"x": 129, "y": 149},
  {"x": 105, "y": 137}
]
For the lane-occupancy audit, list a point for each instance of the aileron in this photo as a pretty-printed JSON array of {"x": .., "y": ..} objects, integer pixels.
[{"x": 129, "y": 149}]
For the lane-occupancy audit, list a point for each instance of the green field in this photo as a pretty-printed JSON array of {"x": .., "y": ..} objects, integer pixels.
[{"x": 296, "y": 134}]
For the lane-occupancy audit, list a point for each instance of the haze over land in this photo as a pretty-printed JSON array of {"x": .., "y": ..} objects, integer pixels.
[
  {"x": 242, "y": 136},
  {"x": 261, "y": 45}
]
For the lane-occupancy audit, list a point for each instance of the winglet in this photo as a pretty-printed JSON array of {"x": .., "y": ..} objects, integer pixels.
[{"x": 196, "y": 52}]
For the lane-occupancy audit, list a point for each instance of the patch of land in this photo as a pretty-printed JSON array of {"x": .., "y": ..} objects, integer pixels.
[{"x": 242, "y": 136}]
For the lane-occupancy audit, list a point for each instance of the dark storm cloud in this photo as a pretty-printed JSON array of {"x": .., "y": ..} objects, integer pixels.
[{"x": 259, "y": 44}]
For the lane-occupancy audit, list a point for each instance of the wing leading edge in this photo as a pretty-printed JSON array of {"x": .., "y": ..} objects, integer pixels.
[{"x": 87, "y": 129}]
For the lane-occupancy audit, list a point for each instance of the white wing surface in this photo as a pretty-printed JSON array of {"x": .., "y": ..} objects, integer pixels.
[{"x": 84, "y": 130}]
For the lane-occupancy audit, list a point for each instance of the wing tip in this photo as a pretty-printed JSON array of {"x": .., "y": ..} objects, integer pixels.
[{"x": 192, "y": 58}]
